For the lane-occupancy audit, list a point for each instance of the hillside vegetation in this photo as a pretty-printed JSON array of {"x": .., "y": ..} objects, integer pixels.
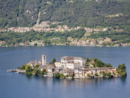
[{"x": 89, "y": 13}]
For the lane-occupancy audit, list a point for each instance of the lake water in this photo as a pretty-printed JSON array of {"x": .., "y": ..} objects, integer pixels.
[{"x": 14, "y": 85}]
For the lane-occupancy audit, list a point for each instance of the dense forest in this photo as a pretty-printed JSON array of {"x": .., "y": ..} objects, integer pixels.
[{"x": 90, "y": 13}]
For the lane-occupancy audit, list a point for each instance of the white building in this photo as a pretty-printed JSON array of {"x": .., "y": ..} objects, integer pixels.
[{"x": 70, "y": 62}]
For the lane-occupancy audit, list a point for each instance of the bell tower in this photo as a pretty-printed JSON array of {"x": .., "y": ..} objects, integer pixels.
[{"x": 43, "y": 59}]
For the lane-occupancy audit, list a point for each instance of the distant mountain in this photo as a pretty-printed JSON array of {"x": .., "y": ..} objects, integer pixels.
[{"x": 73, "y": 13}]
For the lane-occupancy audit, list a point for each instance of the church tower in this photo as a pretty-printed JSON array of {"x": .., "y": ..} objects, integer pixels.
[{"x": 43, "y": 59}]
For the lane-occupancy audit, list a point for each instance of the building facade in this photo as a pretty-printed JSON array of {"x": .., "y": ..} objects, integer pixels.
[{"x": 70, "y": 62}]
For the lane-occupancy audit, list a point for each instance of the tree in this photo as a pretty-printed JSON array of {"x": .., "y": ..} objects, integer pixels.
[
  {"x": 122, "y": 70},
  {"x": 88, "y": 60},
  {"x": 109, "y": 65},
  {"x": 37, "y": 71},
  {"x": 57, "y": 75},
  {"x": 89, "y": 75},
  {"x": 22, "y": 68},
  {"x": 53, "y": 61},
  {"x": 43, "y": 72},
  {"x": 96, "y": 74},
  {"x": 62, "y": 76},
  {"x": 35, "y": 44},
  {"x": 29, "y": 69},
  {"x": 36, "y": 66}
]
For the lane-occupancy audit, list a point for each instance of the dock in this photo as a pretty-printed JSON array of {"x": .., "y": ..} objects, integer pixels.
[{"x": 16, "y": 70}]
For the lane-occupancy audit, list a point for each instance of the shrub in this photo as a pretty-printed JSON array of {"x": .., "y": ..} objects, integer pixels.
[
  {"x": 89, "y": 75},
  {"x": 22, "y": 68},
  {"x": 57, "y": 75},
  {"x": 29, "y": 69},
  {"x": 96, "y": 74},
  {"x": 122, "y": 70},
  {"x": 43, "y": 72},
  {"x": 61, "y": 76},
  {"x": 37, "y": 71}
]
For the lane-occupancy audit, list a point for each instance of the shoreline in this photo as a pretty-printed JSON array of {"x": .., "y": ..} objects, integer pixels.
[
  {"x": 71, "y": 67},
  {"x": 48, "y": 76},
  {"x": 63, "y": 45}
]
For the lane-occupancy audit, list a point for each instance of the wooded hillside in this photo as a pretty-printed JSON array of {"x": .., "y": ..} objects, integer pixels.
[{"x": 90, "y": 13}]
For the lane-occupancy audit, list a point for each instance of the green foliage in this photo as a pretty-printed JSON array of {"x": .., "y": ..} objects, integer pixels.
[
  {"x": 87, "y": 60},
  {"x": 106, "y": 74},
  {"x": 122, "y": 70},
  {"x": 43, "y": 72},
  {"x": 79, "y": 13},
  {"x": 35, "y": 44},
  {"x": 99, "y": 63},
  {"x": 58, "y": 75},
  {"x": 122, "y": 37},
  {"x": 53, "y": 61},
  {"x": 109, "y": 75},
  {"x": 67, "y": 75},
  {"x": 11, "y": 38},
  {"x": 96, "y": 74},
  {"x": 89, "y": 75},
  {"x": 47, "y": 42},
  {"x": 22, "y": 68},
  {"x": 62, "y": 76},
  {"x": 105, "y": 13},
  {"x": 37, "y": 72},
  {"x": 29, "y": 69},
  {"x": 36, "y": 66}
]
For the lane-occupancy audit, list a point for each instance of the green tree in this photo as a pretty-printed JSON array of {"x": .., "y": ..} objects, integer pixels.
[
  {"x": 53, "y": 61},
  {"x": 96, "y": 74},
  {"x": 36, "y": 66},
  {"x": 43, "y": 72},
  {"x": 37, "y": 71},
  {"x": 29, "y": 69},
  {"x": 22, "y": 68},
  {"x": 57, "y": 75},
  {"x": 87, "y": 60},
  {"x": 35, "y": 44},
  {"x": 62, "y": 76},
  {"x": 89, "y": 75},
  {"x": 122, "y": 69}
]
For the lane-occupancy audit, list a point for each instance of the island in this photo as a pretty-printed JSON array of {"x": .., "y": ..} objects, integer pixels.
[{"x": 72, "y": 67}]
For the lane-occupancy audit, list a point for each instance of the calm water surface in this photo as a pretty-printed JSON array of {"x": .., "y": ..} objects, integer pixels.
[{"x": 14, "y": 85}]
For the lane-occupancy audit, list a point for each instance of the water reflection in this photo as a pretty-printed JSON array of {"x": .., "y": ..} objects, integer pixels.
[
  {"x": 29, "y": 77},
  {"x": 123, "y": 80}
]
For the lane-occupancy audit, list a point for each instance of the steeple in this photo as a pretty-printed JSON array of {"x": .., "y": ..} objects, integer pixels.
[{"x": 43, "y": 59}]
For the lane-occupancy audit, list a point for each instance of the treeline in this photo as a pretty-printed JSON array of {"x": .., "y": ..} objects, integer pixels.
[
  {"x": 77, "y": 13},
  {"x": 122, "y": 37},
  {"x": 97, "y": 63},
  {"x": 13, "y": 37}
]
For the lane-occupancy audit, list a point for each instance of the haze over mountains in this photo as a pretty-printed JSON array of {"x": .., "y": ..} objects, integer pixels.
[{"x": 89, "y": 13}]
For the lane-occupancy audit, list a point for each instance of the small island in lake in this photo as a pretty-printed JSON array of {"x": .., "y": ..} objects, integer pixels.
[{"x": 73, "y": 67}]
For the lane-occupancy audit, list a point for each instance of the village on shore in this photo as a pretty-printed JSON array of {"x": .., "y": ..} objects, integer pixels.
[
  {"x": 72, "y": 67},
  {"x": 45, "y": 26}
]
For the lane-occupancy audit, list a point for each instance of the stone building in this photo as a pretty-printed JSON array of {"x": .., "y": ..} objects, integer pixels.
[{"x": 70, "y": 62}]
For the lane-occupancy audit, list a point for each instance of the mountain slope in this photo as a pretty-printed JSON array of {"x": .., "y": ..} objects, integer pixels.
[{"x": 73, "y": 13}]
